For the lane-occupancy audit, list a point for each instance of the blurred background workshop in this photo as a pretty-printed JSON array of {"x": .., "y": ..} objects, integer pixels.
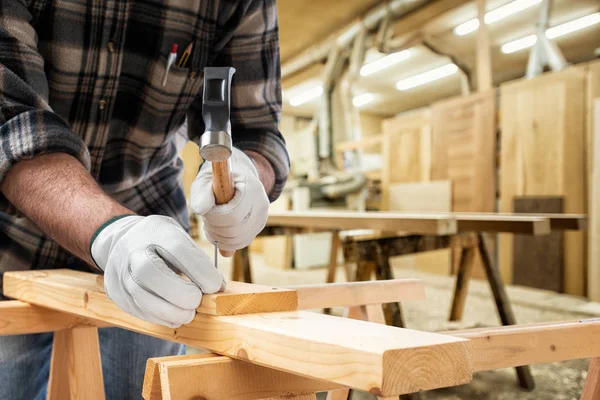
[{"x": 414, "y": 106}]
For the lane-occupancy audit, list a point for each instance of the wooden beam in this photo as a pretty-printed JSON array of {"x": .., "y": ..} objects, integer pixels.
[
  {"x": 517, "y": 345},
  {"x": 76, "y": 368},
  {"x": 416, "y": 223},
  {"x": 531, "y": 225},
  {"x": 350, "y": 294},
  {"x": 379, "y": 359},
  {"x": 241, "y": 298},
  {"x": 18, "y": 318},
  {"x": 591, "y": 390},
  {"x": 215, "y": 377},
  {"x": 417, "y": 20},
  {"x": 484, "y": 56},
  {"x": 593, "y": 273}
]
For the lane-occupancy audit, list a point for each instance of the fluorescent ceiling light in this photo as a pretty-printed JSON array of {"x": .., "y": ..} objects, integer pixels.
[
  {"x": 384, "y": 62},
  {"x": 552, "y": 33},
  {"x": 363, "y": 99},
  {"x": 306, "y": 96},
  {"x": 495, "y": 15},
  {"x": 573, "y": 26},
  {"x": 519, "y": 44},
  {"x": 426, "y": 77}
]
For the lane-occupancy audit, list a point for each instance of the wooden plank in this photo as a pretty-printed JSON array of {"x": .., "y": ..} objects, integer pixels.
[
  {"x": 406, "y": 151},
  {"x": 433, "y": 196},
  {"x": 350, "y": 294},
  {"x": 485, "y": 222},
  {"x": 558, "y": 222},
  {"x": 76, "y": 368},
  {"x": 593, "y": 274},
  {"x": 543, "y": 128},
  {"x": 215, "y": 377},
  {"x": 286, "y": 341},
  {"x": 464, "y": 150},
  {"x": 415, "y": 223},
  {"x": 151, "y": 389},
  {"x": 484, "y": 56},
  {"x": 17, "y": 318},
  {"x": 512, "y": 346},
  {"x": 539, "y": 261},
  {"x": 240, "y": 298},
  {"x": 591, "y": 390}
]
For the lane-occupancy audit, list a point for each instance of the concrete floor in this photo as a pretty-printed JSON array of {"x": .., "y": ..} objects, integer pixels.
[{"x": 556, "y": 381}]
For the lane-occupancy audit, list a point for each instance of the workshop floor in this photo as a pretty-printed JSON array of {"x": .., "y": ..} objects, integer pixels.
[{"x": 556, "y": 381}]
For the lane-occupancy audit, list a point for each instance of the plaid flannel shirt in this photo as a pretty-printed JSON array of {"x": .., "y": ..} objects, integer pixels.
[{"x": 84, "y": 77}]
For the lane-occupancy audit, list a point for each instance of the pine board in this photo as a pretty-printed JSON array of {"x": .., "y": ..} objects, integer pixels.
[{"x": 542, "y": 154}]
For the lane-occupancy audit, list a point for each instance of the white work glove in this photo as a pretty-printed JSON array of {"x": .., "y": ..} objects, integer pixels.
[
  {"x": 235, "y": 224},
  {"x": 141, "y": 258}
]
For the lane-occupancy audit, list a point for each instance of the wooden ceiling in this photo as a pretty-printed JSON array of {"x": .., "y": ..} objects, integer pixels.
[
  {"x": 577, "y": 47},
  {"x": 303, "y": 23}
]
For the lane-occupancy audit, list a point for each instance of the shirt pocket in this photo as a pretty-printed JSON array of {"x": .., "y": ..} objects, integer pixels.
[{"x": 172, "y": 100}]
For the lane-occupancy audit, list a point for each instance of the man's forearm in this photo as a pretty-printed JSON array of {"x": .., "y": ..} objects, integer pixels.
[
  {"x": 266, "y": 174},
  {"x": 60, "y": 196}
]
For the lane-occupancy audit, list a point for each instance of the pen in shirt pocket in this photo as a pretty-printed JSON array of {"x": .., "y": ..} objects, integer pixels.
[{"x": 170, "y": 62}]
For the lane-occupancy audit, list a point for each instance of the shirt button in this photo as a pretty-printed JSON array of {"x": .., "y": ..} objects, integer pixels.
[
  {"x": 111, "y": 47},
  {"x": 101, "y": 104}
]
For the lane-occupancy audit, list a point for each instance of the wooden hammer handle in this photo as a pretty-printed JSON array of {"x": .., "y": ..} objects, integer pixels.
[{"x": 223, "y": 187}]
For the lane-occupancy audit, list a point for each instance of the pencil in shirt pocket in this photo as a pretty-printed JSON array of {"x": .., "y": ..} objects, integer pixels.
[{"x": 183, "y": 61}]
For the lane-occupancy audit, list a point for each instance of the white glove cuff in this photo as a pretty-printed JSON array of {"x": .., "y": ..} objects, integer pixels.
[{"x": 104, "y": 238}]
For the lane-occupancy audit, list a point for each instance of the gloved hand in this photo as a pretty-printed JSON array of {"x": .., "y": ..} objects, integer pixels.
[
  {"x": 141, "y": 258},
  {"x": 235, "y": 224}
]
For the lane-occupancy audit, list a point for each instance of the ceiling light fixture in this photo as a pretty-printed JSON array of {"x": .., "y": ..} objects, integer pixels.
[
  {"x": 495, "y": 15},
  {"x": 306, "y": 96},
  {"x": 363, "y": 99},
  {"x": 384, "y": 62},
  {"x": 552, "y": 33},
  {"x": 427, "y": 77}
]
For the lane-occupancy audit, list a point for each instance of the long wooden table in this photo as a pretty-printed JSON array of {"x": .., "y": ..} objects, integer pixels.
[{"x": 396, "y": 234}]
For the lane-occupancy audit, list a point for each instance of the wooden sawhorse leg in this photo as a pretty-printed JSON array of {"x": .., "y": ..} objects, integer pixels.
[
  {"x": 591, "y": 389},
  {"x": 76, "y": 367},
  {"x": 373, "y": 257},
  {"x": 498, "y": 290},
  {"x": 240, "y": 270},
  {"x": 502, "y": 304}
]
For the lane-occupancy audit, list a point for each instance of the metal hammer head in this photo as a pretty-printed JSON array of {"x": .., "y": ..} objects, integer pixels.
[{"x": 215, "y": 142}]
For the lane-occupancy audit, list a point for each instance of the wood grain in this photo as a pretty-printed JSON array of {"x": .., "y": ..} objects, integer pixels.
[
  {"x": 542, "y": 125},
  {"x": 76, "y": 368},
  {"x": 591, "y": 390},
  {"x": 17, "y": 318},
  {"x": 546, "y": 342},
  {"x": 215, "y": 377},
  {"x": 406, "y": 149},
  {"x": 407, "y": 222},
  {"x": 484, "y": 56},
  {"x": 433, "y": 196},
  {"x": 464, "y": 150},
  {"x": 349, "y": 294},
  {"x": 593, "y": 275},
  {"x": 381, "y": 359},
  {"x": 240, "y": 298},
  {"x": 539, "y": 261}
]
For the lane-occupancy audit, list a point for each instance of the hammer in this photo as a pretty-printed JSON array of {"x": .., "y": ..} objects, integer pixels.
[{"x": 215, "y": 142}]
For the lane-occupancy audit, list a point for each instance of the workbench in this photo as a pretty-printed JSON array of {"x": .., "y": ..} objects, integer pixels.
[
  {"x": 265, "y": 347},
  {"x": 397, "y": 234}
]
